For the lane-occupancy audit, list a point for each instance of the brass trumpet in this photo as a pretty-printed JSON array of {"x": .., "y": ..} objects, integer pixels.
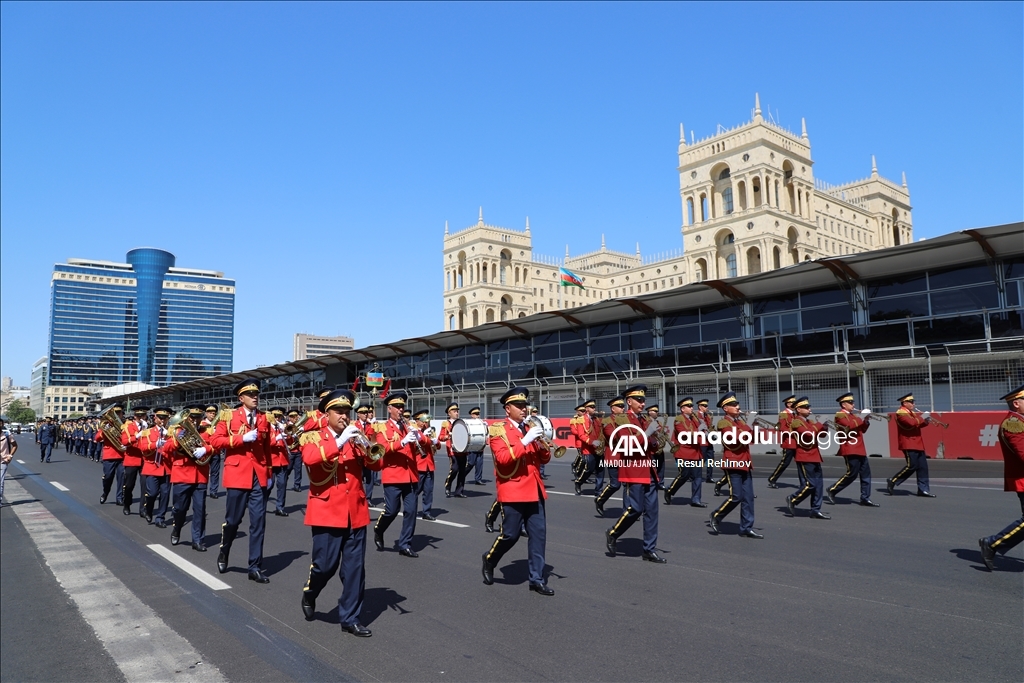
[
  {"x": 877, "y": 416},
  {"x": 111, "y": 426},
  {"x": 367, "y": 450},
  {"x": 188, "y": 438},
  {"x": 760, "y": 421}
]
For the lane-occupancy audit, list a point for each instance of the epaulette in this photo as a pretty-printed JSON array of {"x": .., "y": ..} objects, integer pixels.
[
  {"x": 620, "y": 419},
  {"x": 1013, "y": 425},
  {"x": 796, "y": 423},
  {"x": 783, "y": 415},
  {"x": 574, "y": 420},
  {"x": 496, "y": 429},
  {"x": 680, "y": 418},
  {"x": 225, "y": 415},
  {"x": 380, "y": 427},
  {"x": 724, "y": 423},
  {"x": 902, "y": 411},
  {"x": 309, "y": 437},
  {"x": 840, "y": 414}
]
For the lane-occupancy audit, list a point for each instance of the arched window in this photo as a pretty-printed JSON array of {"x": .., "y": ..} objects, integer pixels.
[
  {"x": 730, "y": 265},
  {"x": 490, "y": 315},
  {"x": 700, "y": 270},
  {"x": 689, "y": 211},
  {"x": 727, "y": 199},
  {"x": 451, "y": 322},
  {"x": 704, "y": 213},
  {"x": 506, "y": 262},
  {"x": 776, "y": 258},
  {"x": 476, "y": 317}
]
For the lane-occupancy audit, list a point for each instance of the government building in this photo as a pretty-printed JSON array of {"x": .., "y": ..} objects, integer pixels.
[
  {"x": 750, "y": 204},
  {"x": 141, "y": 321}
]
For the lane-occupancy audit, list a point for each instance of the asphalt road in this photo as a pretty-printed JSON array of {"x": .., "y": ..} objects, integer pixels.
[{"x": 893, "y": 593}]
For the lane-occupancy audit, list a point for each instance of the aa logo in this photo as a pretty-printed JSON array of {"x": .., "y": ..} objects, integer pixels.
[{"x": 630, "y": 441}]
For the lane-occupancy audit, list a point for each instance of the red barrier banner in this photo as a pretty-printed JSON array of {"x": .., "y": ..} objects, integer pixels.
[{"x": 970, "y": 435}]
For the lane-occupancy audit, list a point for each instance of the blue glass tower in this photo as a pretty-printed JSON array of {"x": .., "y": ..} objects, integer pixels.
[{"x": 141, "y": 321}]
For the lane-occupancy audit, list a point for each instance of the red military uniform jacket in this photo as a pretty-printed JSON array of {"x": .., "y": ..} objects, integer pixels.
[
  {"x": 129, "y": 437},
  {"x": 854, "y": 428},
  {"x": 336, "y": 495},
  {"x": 588, "y": 433},
  {"x": 278, "y": 447},
  {"x": 574, "y": 428},
  {"x": 184, "y": 468},
  {"x": 109, "y": 452},
  {"x": 690, "y": 424},
  {"x": 427, "y": 444},
  {"x": 445, "y": 436},
  {"x": 735, "y": 456},
  {"x": 516, "y": 467},
  {"x": 243, "y": 459},
  {"x": 1011, "y": 440},
  {"x": 908, "y": 430},
  {"x": 807, "y": 447},
  {"x": 399, "y": 462},
  {"x": 634, "y": 470},
  {"x": 785, "y": 427},
  {"x": 153, "y": 463},
  {"x": 315, "y": 422}
]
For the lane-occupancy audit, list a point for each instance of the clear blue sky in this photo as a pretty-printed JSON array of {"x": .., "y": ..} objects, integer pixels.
[{"x": 314, "y": 151}]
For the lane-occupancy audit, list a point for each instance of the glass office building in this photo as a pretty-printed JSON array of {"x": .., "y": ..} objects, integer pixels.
[{"x": 140, "y": 321}]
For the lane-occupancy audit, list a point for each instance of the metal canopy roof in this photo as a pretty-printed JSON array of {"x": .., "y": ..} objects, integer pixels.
[{"x": 1002, "y": 241}]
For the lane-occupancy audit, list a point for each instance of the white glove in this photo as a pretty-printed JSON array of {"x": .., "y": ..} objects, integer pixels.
[
  {"x": 160, "y": 443},
  {"x": 865, "y": 412},
  {"x": 410, "y": 437},
  {"x": 436, "y": 442},
  {"x": 347, "y": 434},
  {"x": 250, "y": 436},
  {"x": 532, "y": 435},
  {"x": 198, "y": 453},
  {"x": 653, "y": 427},
  {"x": 926, "y": 415},
  {"x": 279, "y": 437}
]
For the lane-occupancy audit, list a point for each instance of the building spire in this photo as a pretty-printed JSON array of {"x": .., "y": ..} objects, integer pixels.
[
  {"x": 682, "y": 135},
  {"x": 527, "y": 225},
  {"x": 874, "y": 167},
  {"x": 602, "y": 242},
  {"x": 567, "y": 253},
  {"x": 480, "y": 220},
  {"x": 803, "y": 128},
  {"x": 446, "y": 227},
  {"x": 638, "y": 250},
  {"x": 904, "y": 180},
  {"x": 757, "y": 107}
]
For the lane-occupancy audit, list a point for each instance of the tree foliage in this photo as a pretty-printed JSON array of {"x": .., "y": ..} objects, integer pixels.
[{"x": 19, "y": 412}]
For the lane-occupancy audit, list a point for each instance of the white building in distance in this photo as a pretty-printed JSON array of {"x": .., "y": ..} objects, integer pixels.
[
  {"x": 308, "y": 345},
  {"x": 750, "y": 203}
]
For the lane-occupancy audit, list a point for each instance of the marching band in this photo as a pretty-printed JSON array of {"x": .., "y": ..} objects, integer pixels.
[{"x": 342, "y": 448}]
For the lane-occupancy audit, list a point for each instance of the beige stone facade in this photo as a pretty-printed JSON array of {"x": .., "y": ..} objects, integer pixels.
[{"x": 750, "y": 203}]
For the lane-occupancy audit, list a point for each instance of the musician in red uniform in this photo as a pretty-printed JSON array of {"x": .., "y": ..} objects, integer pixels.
[
  {"x": 245, "y": 436},
  {"x": 786, "y": 442},
  {"x": 278, "y": 459},
  {"x": 519, "y": 452},
  {"x": 365, "y": 422},
  {"x": 1011, "y": 441},
  {"x": 687, "y": 422},
  {"x": 155, "y": 471},
  {"x": 808, "y": 458},
  {"x": 638, "y": 470},
  {"x": 457, "y": 464},
  {"x": 294, "y": 454},
  {"x": 315, "y": 420},
  {"x": 708, "y": 450},
  {"x": 399, "y": 474},
  {"x": 590, "y": 436},
  {"x": 113, "y": 463},
  {"x": 209, "y": 417},
  {"x": 736, "y": 438},
  {"x": 425, "y": 464},
  {"x": 617, "y": 408},
  {"x": 909, "y": 440},
  {"x": 854, "y": 450},
  {"x": 337, "y": 512},
  {"x": 189, "y": 479},
  {"x": 132, "y": 458}
]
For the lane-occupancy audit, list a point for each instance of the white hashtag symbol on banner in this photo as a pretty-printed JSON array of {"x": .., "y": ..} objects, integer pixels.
[{"x": 989, "y": 435}]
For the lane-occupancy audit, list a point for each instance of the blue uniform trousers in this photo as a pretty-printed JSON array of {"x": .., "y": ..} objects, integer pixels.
[
  {"x": 856, "y": 466},
  {"x": 368, "y": 484},
  {"x": 158, "y": 494},
  {"x": 917, "y": 463},
  {"x": 589, "y": 468},
  {"x": 425, "y": 488},
  {"x": 613, "y": 486},
  {"x": 475, "y": 464},
  {"x": 813, "y": 486},
  {"x": 214, "y": 485},
  {"x": 399, "y": 497},
  {"x": 457, "y": 470},
  {"x": 255, "y": 499},
  {"x": 642, "y": 500},
  {"x": 342, "y": 551},
  {"x": 113, "y": 470},
  {"x": 1009, "y": 537},
  {"x": 693, "y": 474},
  {"x": 708, "y": 453},
  {"x": 741, "y": 492},
  {"x": 45, "y": 450},
  {"x": 184, "y": 496},
  {"x": 278, "y": 477},
  {"x": 131, "y": 475},
  {"x": 787, "y": 457},
  {"x": 295, "y": 469},
  {"x": 514, "y": 516}
]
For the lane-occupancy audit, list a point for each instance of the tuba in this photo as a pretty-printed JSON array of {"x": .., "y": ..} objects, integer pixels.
[
  {"x": 187, "y": 436},
  {"x": 111, "y": 426}
]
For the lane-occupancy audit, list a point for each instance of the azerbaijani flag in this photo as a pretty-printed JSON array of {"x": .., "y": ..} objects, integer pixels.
[{"x": 570, "y": 279}]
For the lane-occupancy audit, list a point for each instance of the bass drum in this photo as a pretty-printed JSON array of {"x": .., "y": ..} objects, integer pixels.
[
  {"x": 469, "y": 435},
  {"x": 545, "y": 424}
]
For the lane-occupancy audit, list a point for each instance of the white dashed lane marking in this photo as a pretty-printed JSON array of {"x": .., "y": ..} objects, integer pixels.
[
  {"x": 22, "y": 462},
  {"x": 60, "y": 487},
  {"x": 436, "y": 521},
  {"x": 205, "y": 578}
]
